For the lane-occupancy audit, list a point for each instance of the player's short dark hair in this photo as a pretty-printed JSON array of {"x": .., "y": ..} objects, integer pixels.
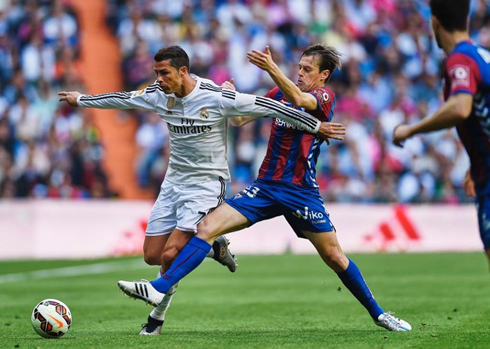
[
  {"x": 177, "y": 56},
  {"x": 453, "y": 14},
  {"x": 328, "y": 57}
]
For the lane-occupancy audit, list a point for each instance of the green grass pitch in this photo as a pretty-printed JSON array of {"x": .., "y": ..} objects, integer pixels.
[{"x": 270, "y": 302}]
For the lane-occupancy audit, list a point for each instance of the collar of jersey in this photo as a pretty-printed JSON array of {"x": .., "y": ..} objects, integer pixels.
[{"x": 194, "y": 90}]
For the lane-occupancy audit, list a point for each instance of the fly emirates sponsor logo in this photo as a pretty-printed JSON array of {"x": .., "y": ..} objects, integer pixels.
[{"x": 187, "y": 127}]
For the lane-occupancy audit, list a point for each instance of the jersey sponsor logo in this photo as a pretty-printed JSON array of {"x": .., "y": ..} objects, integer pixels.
[
  {"x": 204, "y": 114},
  {"x": 170, "y": 102},
  {"x": 187, "y": 130},
  {"x": 282, "y": 123},
  {"x": 460, "y": 76},
  {"x": 309, "y": 215}
]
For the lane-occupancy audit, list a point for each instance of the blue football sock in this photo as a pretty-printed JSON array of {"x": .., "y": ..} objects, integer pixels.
[
  {"x": 353, "y": 280},
  {"x": 188, "y": 259}
]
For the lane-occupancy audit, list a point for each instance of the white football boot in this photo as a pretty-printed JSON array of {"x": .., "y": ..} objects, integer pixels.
[
  {"x": 141, "y": 290},
  {"x": 391, "y": 323}
]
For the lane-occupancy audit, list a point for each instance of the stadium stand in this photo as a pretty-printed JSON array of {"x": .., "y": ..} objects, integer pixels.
[{"x": 390, "y": 74}]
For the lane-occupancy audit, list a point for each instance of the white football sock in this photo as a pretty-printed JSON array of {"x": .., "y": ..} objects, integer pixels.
[{"x": 158, "y": 313}]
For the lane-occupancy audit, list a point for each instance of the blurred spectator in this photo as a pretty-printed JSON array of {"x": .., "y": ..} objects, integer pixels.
[
  {"x": 391, "y": 74},
  {"x": 45, "y": 151}
]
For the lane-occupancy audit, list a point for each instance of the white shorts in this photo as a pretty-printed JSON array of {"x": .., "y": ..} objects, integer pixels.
[{"x": 183, "y": 206}]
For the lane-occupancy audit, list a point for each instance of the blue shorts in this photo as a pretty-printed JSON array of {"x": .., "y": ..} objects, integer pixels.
[
  {"x": 483, "y": 207},
  {"x": 302, "y": 207}
]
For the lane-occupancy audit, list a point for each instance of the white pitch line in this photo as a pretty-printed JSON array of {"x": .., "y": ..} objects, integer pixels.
[{"x": 96, "y": 268}]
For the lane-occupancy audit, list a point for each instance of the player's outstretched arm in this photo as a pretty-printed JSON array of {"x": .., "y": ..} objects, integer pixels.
[
  {"x": 264, "y": 61},
  {"x": 143, "y": 99},
  {"x": 456, "y": 109},
  {"x": 235, "y": 104},
  {"x": 241, "y": 120}
]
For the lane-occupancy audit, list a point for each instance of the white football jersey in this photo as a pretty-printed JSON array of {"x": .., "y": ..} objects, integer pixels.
[{"x": 198, "y": 124}]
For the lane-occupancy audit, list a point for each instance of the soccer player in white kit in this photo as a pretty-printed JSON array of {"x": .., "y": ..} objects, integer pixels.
[{"x": 196, "y": 111}]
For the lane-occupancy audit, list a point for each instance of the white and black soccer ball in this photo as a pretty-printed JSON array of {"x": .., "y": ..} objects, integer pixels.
[{"x": 51, "y": 318}]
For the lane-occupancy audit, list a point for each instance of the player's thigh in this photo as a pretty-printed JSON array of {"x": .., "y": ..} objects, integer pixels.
[
  {"x": 256, "y": 203},
  {"x": 483, "y": 208},
  {"x": 222, "y": 220},
  {"x": 304, "y": 210},
  {"x": 153, "y": 247},
  {"x": 196, "y": 201},
  {"x": 163, "y": 215},
  {"x": 328, "y": 247}
]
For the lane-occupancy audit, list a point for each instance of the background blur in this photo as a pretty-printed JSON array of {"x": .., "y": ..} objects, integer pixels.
[{"x": 391, "y": 74}]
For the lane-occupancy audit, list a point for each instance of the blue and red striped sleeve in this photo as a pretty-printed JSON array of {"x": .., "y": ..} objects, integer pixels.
[
  {"x": 463, "y": 74},
  {"x": 326, "y": 101}
]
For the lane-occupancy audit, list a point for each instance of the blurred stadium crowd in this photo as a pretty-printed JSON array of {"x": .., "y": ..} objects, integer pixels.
[
  {"x": 391, "y": 74},
  {"x": 46, "y": 149}
]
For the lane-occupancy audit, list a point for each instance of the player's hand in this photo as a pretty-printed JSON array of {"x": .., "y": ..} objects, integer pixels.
[
  {"x": 400, "y": 134},
  {"x": 330, "y": 130},
  {"x": 69, "y": 97},
  {"x": 263, "y": 60},
  {"x": 469, "y": 185},
  {"x": 229, "y": 85}
]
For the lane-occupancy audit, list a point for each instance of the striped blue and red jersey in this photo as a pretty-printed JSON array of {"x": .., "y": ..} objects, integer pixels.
[
  {"x": 467, "y": 70},
  {"x": 291, "y": 153}
]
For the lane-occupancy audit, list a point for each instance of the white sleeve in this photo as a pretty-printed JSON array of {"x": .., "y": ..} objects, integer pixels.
[
  {"x": 142, "y": 99},
  {"x": 235, "y": 104}
]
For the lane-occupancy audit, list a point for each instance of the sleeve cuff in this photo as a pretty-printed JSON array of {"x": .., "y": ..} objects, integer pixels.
[
  {"x": 78, "y": 99},
  {"x": 317, "y": 127},
  {"x": 455, "y": 92}
]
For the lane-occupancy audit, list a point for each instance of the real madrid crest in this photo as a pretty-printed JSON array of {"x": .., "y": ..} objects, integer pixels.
[
  {"x": 204, "y": 114},
  {"x": 170, "y": 102}
]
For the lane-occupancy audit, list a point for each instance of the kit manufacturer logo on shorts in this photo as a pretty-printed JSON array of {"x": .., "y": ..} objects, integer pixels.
[{"x": 317, "y": 216}]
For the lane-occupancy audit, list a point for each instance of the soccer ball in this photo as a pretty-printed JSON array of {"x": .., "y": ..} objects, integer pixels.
[{"x": 51, "y": 318}]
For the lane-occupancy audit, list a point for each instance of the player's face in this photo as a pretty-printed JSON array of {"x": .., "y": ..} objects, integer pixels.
[
  {"x": 309, "y": 75},
  {"x": 169, "y": 78}
]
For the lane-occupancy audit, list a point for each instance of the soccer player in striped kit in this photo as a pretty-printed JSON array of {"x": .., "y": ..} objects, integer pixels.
[
  {"x": 466, "y": 85},
  {"x": 286, "y": 186},
  {"x": 196, "y": 111}
]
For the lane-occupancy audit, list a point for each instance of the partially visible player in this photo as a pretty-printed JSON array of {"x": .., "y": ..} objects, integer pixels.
[
  {"x": 286, "y": 186},
  {"x": 196, "y": 111},
  {"x": 467, "y": 102}
]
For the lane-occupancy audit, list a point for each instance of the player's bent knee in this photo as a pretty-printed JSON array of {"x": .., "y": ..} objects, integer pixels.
[
  {"x": 205, "y": 230},
  {"x": 151, "y": 258},
  {"x": 336, "y": 259}
]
